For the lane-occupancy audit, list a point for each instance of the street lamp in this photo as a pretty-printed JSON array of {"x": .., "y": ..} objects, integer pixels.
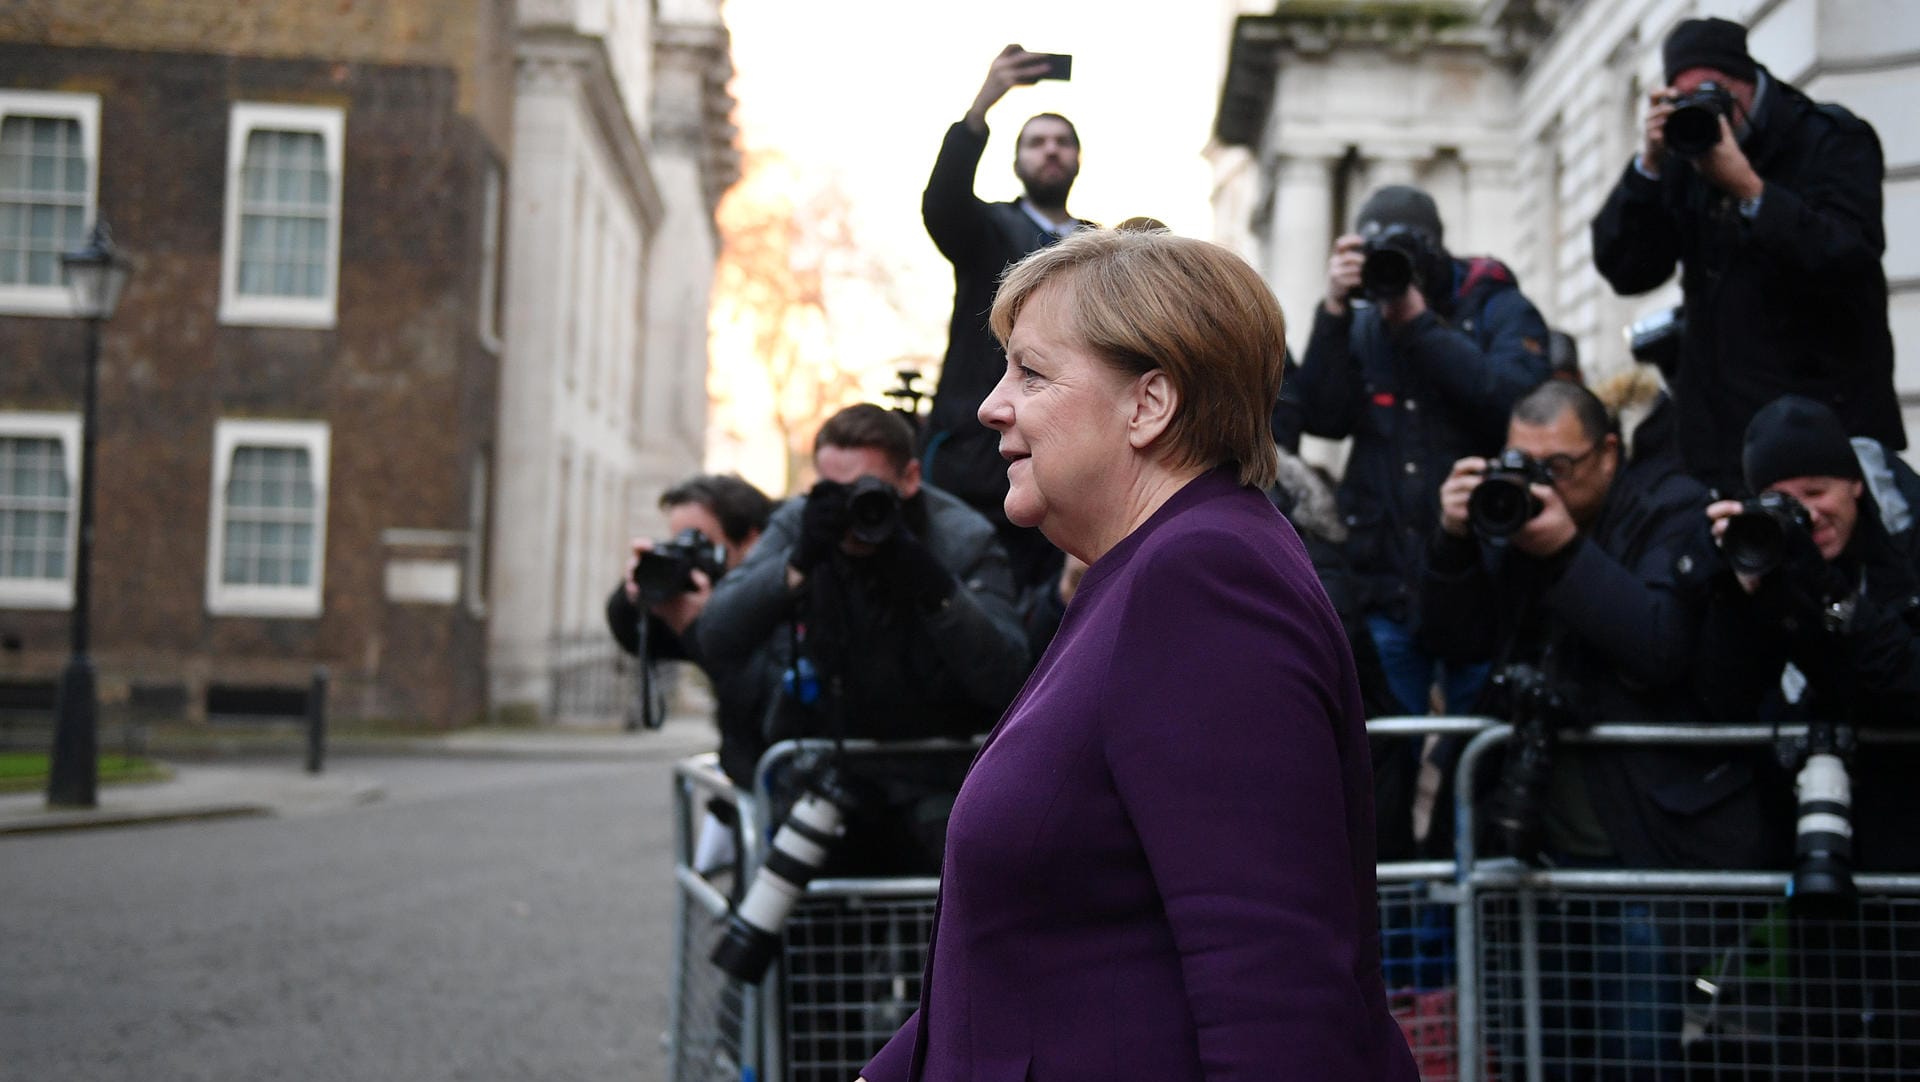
[{"x": 96, "y": 275}]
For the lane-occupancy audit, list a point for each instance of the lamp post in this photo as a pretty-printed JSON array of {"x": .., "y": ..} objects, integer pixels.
[{"x": 96, "y": 275}]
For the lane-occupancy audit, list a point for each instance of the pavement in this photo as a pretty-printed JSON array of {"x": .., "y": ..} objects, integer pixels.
[{"x": 218, "y": 778}]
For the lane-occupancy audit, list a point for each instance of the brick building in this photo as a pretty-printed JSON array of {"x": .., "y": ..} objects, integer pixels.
[{"x": 315, "y": 396}]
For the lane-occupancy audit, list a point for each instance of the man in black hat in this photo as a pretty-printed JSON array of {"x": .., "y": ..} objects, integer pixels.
[
  {"x": 1775, "y": 223},
  {"x": 1419, "y": 357},
  {"x": 1832, "y": 631}
]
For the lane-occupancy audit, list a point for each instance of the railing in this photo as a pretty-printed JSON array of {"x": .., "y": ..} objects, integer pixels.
[{"x": 1495, "y": 970}]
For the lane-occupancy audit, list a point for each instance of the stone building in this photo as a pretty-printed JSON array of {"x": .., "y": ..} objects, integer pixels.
[
  {"x": 391, "y": 370},
  {"x": 1518, "y": 116}
]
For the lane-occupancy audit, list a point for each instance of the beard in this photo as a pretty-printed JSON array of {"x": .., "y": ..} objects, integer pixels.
[{"x": 1048, "y": 192}]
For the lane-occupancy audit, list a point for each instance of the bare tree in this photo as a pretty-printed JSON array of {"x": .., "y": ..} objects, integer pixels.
[{"x": 789, "y": 256}]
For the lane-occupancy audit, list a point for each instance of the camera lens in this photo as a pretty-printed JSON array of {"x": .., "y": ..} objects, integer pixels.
[
  {"x": 873, "y": 511},
  {"x": 1500, "y": 505},
  {"x": 1754, "y": 543},
  {"x": 1386, "y": 273},
  {"x": 1693, "y": 131}
]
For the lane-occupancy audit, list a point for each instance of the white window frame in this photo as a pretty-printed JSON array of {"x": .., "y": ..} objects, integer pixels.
[
  {"x": 315, "y": 438},
  {"x": 310, "y": 312},
  {"x": 65, "y": 427},
  {"x": 56, "y": 299}
]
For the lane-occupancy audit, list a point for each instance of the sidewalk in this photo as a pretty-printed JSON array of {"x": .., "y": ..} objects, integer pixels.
[{"x": 204, "y": 787}]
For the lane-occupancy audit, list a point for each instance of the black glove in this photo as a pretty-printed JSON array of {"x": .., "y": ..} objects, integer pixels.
[
  {"x": 823, "y": 522},
  {"x": 916, "y": 571}
]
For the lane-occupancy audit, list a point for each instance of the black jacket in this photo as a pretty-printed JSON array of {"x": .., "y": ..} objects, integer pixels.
[
  {"x": 1414, "y": 400},
  {"x": 742, "y": 686},
  {"x": 907, "y": 673},
  {"x": 1794, "y": 300},
  {"x": 981, "y": 240},
  {"x": 1613, "y": 621},
  {"x": 1867, "y": 674}
]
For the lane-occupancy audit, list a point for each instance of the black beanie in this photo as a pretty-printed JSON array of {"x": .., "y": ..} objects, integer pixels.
[
  {"x": 1708, "y": 43},
  {"x": 1796, "y": 437},
  {"x": 1398, "y": 204}
]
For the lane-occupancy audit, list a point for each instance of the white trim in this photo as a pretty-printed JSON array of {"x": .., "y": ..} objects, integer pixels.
[
  {"x": 55, "y": 300},
  {"x": 287, "y": 601},
  {"x": 65, "y": 427},
  {"x": 314, "y": 312}
]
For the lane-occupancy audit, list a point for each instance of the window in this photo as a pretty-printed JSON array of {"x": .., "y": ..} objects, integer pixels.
[
  {"x": 281, "y": 260},
  {"x": 269, "y": 518},
  {"x": 49, "y": 151},
  {"x": 39, "y": 508}
]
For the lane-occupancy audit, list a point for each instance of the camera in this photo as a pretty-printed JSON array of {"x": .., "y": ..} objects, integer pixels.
[
  {"x": 667, "y": 570},
  {"x": 1693, "y": 128},
  {"x": 1823, "y": 822},
  {"x": 1755, "y": 540},
  {"x": 1504, "y": 500},
  {"x": 873, "y": 511},
  {"x": 1655, "y": 339},
  {"x": 1391, "y": 262},
  {"x": 800, "y": 847},
  {"x": 1536, "y": 709}
]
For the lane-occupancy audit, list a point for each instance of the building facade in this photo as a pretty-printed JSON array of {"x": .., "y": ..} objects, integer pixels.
[
  {"x": 1518, "y": 115},
  {"x": 308, "y": 418}
]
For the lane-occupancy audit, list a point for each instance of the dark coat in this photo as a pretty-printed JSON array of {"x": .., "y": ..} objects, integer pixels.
[
  {"x": 1161, "y": 865},
  {"x": 1613, "y": 621},
  {"x": 743, "y": 686},
  {"x": 1415, "y": 401},
  {"x": 1867, "y": 675},
  {"x": 908, "y": 674},
  {"x": 981, "y": 240},
  {"x": 1794, "y": 300}
]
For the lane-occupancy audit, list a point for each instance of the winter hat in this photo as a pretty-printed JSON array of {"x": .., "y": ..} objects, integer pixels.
[
  {"x": 1796, "y": 437},
  {"x": 1708, "y": 43},
  {"x": 1398, "y": 204}
]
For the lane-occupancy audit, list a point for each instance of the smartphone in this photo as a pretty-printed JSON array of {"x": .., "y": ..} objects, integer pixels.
[{"x": 1059, "y": 66}]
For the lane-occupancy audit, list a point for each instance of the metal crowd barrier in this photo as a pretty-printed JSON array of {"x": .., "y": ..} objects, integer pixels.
[{"x": 1496, "y": 971}]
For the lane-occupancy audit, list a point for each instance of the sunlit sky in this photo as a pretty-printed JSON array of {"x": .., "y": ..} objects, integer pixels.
[{"x": 858, "y": 93}]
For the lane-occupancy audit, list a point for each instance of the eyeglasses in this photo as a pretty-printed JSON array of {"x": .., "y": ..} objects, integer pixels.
[{"x": 1560, "y": 467}]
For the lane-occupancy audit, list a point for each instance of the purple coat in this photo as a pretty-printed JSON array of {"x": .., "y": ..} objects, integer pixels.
[{"x": 1161, "y": 864}]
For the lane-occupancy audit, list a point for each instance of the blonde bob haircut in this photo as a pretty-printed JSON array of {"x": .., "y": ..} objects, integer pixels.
[{"x": 1142, "y": 298}]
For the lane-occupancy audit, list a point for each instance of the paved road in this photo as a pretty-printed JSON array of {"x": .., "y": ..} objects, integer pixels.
[{"x": 486, "y": 920}]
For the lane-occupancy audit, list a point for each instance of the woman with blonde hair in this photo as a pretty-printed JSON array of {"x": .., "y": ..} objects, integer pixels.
[{"x": 1161, "y": 863}]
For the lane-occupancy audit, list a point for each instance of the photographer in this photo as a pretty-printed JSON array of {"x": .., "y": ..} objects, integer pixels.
[
  {"x": 721, "y": 509},
  {"x": 1832, "y": 632},
  {"x": 1587, "y": 580},
  {"x": 1770, "y": 204},
  {"x": 981, "y": 240},
  {"x": 910, "y": 636},
  {"x": 1421, "y": 374}
]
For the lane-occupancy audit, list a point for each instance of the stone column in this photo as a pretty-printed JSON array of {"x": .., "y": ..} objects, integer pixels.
[{"x": 1299, "y": 235}]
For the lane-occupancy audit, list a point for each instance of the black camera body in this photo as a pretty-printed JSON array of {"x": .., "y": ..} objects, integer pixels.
[
  {"x": 1755, "y": 541},
  {"x": 1504, "y": 500},
  {"x": 1693, "y": 128},
  {"x": 1392, "y": 258},
  {"x": 873, "y": 511},
  {"x": 667, "y": 571}
]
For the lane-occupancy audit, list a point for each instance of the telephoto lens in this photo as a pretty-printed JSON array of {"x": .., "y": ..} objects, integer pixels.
[
  {"x": 800, "y": 847},
  {"x": 1516, "y": 806},
  {"x": 1823, "y": 832}
]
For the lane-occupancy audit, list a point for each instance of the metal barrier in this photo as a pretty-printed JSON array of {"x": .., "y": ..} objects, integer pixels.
[
  {"x": 1496, "y": 971},
  {"x": 1643, "y": 974}
]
